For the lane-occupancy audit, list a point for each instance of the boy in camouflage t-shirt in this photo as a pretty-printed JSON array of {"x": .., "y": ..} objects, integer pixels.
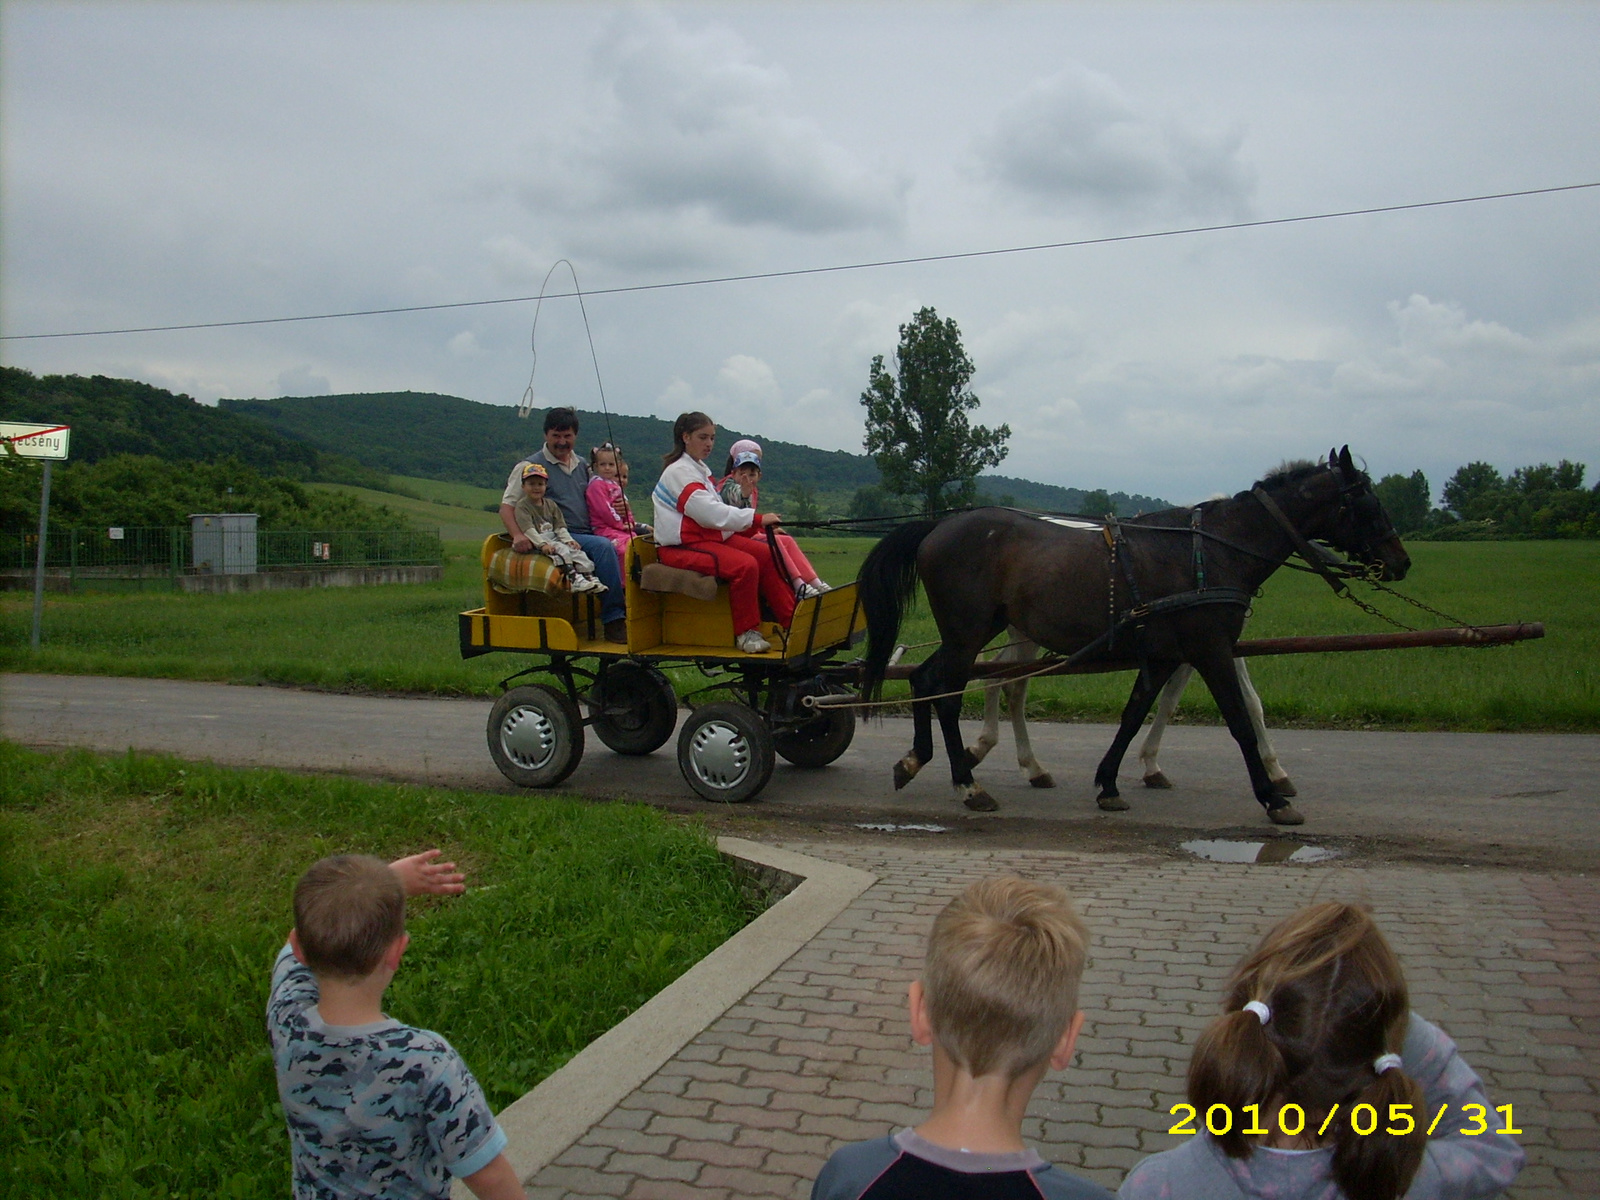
[{"x": 375, "y": 1107}]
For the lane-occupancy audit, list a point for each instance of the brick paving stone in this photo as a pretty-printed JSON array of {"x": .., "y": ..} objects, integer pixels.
[{"x": 819, "y": 1054}]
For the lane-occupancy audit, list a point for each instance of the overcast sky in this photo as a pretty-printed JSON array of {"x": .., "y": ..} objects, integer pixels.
[{"x": 170, "y": 163}]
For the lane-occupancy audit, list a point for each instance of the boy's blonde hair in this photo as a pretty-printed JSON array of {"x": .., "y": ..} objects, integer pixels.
[
  {"x": 347, "y": 911},
  {"x": 1001, "y": 978}
]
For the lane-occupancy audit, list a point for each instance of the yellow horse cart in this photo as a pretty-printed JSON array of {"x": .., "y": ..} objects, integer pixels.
[{"x": 726, "y": 745}]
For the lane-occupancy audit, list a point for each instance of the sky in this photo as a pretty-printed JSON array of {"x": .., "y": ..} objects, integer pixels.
[{"x": 179, "y": 163}]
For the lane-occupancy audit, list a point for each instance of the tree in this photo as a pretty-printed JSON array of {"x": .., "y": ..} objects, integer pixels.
[
  {"x": 804, "y": 503},
  {"x": 874, "y": 501},
  {"x": 1406, "y": 499},
  {"x": 918, "y": 431},
  {"x": 1470, "y": 487},
  {"x": 1098, "y": 503}
]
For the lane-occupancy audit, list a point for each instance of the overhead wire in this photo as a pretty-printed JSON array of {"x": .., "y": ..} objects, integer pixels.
[{"x": 801, "y": 271}]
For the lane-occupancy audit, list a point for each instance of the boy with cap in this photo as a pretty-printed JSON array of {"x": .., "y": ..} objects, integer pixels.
[
  {"x": 998, "y": 1002},
  {"x": 542, "y": 522}
]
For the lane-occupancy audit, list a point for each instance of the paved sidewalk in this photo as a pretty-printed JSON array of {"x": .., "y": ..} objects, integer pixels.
[{"x": 819, "y": 1054}]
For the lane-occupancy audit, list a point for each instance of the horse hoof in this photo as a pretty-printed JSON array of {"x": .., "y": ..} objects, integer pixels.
[
  {"x": 979, "y": 800},
  {"x": 1157, "y": 780},
  {"x": 901, "y": 776},
  {"x": 1111, "y": 803},
  {"x": 1284, "y": 787},
  {"x": 1287, "y": 815},
  {"x": 1043, "y": 781}
]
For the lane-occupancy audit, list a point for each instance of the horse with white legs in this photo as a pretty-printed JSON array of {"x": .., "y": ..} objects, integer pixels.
[
  {"x": 1132, "y": 590},
  {"x": 1020, "y": 652}
]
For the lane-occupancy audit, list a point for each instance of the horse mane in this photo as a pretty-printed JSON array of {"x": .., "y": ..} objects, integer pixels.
[{"x": 1289, "y": 473}]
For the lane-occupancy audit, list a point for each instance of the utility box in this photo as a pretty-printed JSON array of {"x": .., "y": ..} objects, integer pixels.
[{"x": 224, "y": 543}]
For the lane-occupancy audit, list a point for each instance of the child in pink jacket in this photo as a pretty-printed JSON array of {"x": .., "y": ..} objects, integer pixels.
[{"x": 609, "y": 513}]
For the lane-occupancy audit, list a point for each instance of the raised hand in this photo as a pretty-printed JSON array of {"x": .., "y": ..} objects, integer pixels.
[{"x": 421, "y": 875}]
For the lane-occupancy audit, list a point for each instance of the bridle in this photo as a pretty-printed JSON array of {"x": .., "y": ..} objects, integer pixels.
[{"x": 1358, "y": 509}]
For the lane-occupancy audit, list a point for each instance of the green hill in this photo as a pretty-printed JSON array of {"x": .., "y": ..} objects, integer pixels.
[
  {"x": 463, "y": 441},
  {"x": 122, "y": 416}
]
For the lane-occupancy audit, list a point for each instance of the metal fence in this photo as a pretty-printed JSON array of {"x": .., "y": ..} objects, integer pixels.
[{"x": 160, "y": 554}]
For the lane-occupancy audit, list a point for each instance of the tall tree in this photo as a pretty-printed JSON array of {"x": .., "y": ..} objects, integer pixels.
[
  {"x": 918, "y": 431},
  {"x": 1470, "y": 489},
  {"x": 1406, "y": 499}
]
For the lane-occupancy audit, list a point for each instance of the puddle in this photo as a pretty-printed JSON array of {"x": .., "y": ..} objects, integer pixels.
[
  {"x": 1276, "y": 851},
  {"x": 880, "y": 828}
]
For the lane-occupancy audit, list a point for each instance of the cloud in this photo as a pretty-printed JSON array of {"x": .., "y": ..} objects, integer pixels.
[
  {"x": 1075, "y": 138},
  {"x": 690, "y": 129},
  {"x": 300, "y": 381},
  {"x": 464, "y": 345}
]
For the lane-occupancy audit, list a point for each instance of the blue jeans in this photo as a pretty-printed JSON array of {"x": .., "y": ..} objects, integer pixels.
[{"x": 604, "y": 556}]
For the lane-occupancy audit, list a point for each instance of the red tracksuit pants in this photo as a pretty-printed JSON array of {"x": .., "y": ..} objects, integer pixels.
[{"x": 747, "y": 568}]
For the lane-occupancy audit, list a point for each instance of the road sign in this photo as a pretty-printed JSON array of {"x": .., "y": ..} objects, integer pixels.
[{"x": 35, "y": 441}]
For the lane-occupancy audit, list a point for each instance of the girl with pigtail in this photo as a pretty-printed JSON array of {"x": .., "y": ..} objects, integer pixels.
[{"x": 1315, "y": 1026}]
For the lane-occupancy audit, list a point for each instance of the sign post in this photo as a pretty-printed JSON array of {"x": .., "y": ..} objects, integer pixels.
[{"x": 48, "y": 442}]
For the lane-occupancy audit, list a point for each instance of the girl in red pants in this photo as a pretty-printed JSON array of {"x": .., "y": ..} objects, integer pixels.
[{"x": 697, "y": 531}]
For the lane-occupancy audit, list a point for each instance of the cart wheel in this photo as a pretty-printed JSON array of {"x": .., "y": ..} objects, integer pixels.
[
  {"x": 818, "y": 741},
  {"x": 632, "y": 708},
  {"x": 535, "y": 736},
  {"x": 725, "y": 752}
]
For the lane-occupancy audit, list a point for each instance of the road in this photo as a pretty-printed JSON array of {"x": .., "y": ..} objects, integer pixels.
[{"x": 1523, "y": 800}]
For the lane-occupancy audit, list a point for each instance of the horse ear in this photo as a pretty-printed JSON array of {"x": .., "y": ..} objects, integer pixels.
[
  {"x": 1333, "y": 458},
  {"x": 1345, "y": 463}
]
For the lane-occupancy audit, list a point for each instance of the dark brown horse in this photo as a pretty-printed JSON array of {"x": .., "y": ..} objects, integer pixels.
[{"x": 1161, "y": 590}]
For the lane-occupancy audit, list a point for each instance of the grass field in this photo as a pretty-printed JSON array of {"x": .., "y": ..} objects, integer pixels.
[
  {"x": 455, "y": 509},
  {"x": 403, "y": 639},
  {"x": 142, "y": 901}
]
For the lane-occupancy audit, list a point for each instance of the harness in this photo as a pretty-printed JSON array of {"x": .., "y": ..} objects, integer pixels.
[{"x": 1137, "y": 615}]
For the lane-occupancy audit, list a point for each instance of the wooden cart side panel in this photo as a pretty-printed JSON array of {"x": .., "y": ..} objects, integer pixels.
[
  {"x": 823, "y": 621},
  {"x": 644, "y": 608}
]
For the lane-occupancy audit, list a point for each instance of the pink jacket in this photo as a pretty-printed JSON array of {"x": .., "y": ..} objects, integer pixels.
[{"x": 605, "y": 499}]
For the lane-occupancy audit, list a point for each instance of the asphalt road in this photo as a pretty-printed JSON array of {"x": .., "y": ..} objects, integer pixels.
[{"x": 1525, "y": 800}]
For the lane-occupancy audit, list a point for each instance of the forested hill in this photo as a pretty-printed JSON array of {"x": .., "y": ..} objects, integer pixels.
[
  {"x": 464, "y": 441},
  {"x": 122, "y": 416}
]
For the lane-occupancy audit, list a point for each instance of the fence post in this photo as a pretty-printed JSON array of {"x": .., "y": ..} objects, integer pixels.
[
  {"x": 174, "y": 541},
  {"x": 72, "y": 560}
]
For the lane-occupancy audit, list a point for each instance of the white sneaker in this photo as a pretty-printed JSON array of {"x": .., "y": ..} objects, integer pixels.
[
  {"x": 805, "y": 592},
  {"x": 819, "y": 587},
  {"x": 751, "y": 642}
]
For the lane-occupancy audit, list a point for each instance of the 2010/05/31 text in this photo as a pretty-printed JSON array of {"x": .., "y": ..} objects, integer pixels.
[{"x": 1364, "y": 1119}]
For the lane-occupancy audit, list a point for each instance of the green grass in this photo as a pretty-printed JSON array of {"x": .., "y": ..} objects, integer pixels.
[
  {"x": 142, "y": 901},
  {"x": 403, "y": 639},
  {"x": 455, "y": 509}
]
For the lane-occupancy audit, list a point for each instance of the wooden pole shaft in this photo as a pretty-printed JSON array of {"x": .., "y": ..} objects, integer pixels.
[{"x": 1478, "y": 635}]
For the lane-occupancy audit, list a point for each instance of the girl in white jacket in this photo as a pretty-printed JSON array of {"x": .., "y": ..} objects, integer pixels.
[{"x": 697, "y": 531}]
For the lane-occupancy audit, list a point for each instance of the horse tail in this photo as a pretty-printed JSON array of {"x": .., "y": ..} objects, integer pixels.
[{"x": 886, "y": 583}]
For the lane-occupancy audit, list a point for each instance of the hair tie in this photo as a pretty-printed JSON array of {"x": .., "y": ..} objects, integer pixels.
[
  {"x": 1262, "y": 1012},
  {"x": 1386, "y": 1062}
]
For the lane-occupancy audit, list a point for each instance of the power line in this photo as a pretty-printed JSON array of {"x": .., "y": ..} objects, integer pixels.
[{"x": 798, "y": 271}]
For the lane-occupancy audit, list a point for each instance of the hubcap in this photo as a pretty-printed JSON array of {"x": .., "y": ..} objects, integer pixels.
[
  {"x": 720, "y": 755},
  {"x": 528, "y": 737}
]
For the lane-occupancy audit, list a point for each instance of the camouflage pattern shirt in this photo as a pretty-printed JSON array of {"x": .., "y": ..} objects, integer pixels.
[{"x": 373, "y": 1110}]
